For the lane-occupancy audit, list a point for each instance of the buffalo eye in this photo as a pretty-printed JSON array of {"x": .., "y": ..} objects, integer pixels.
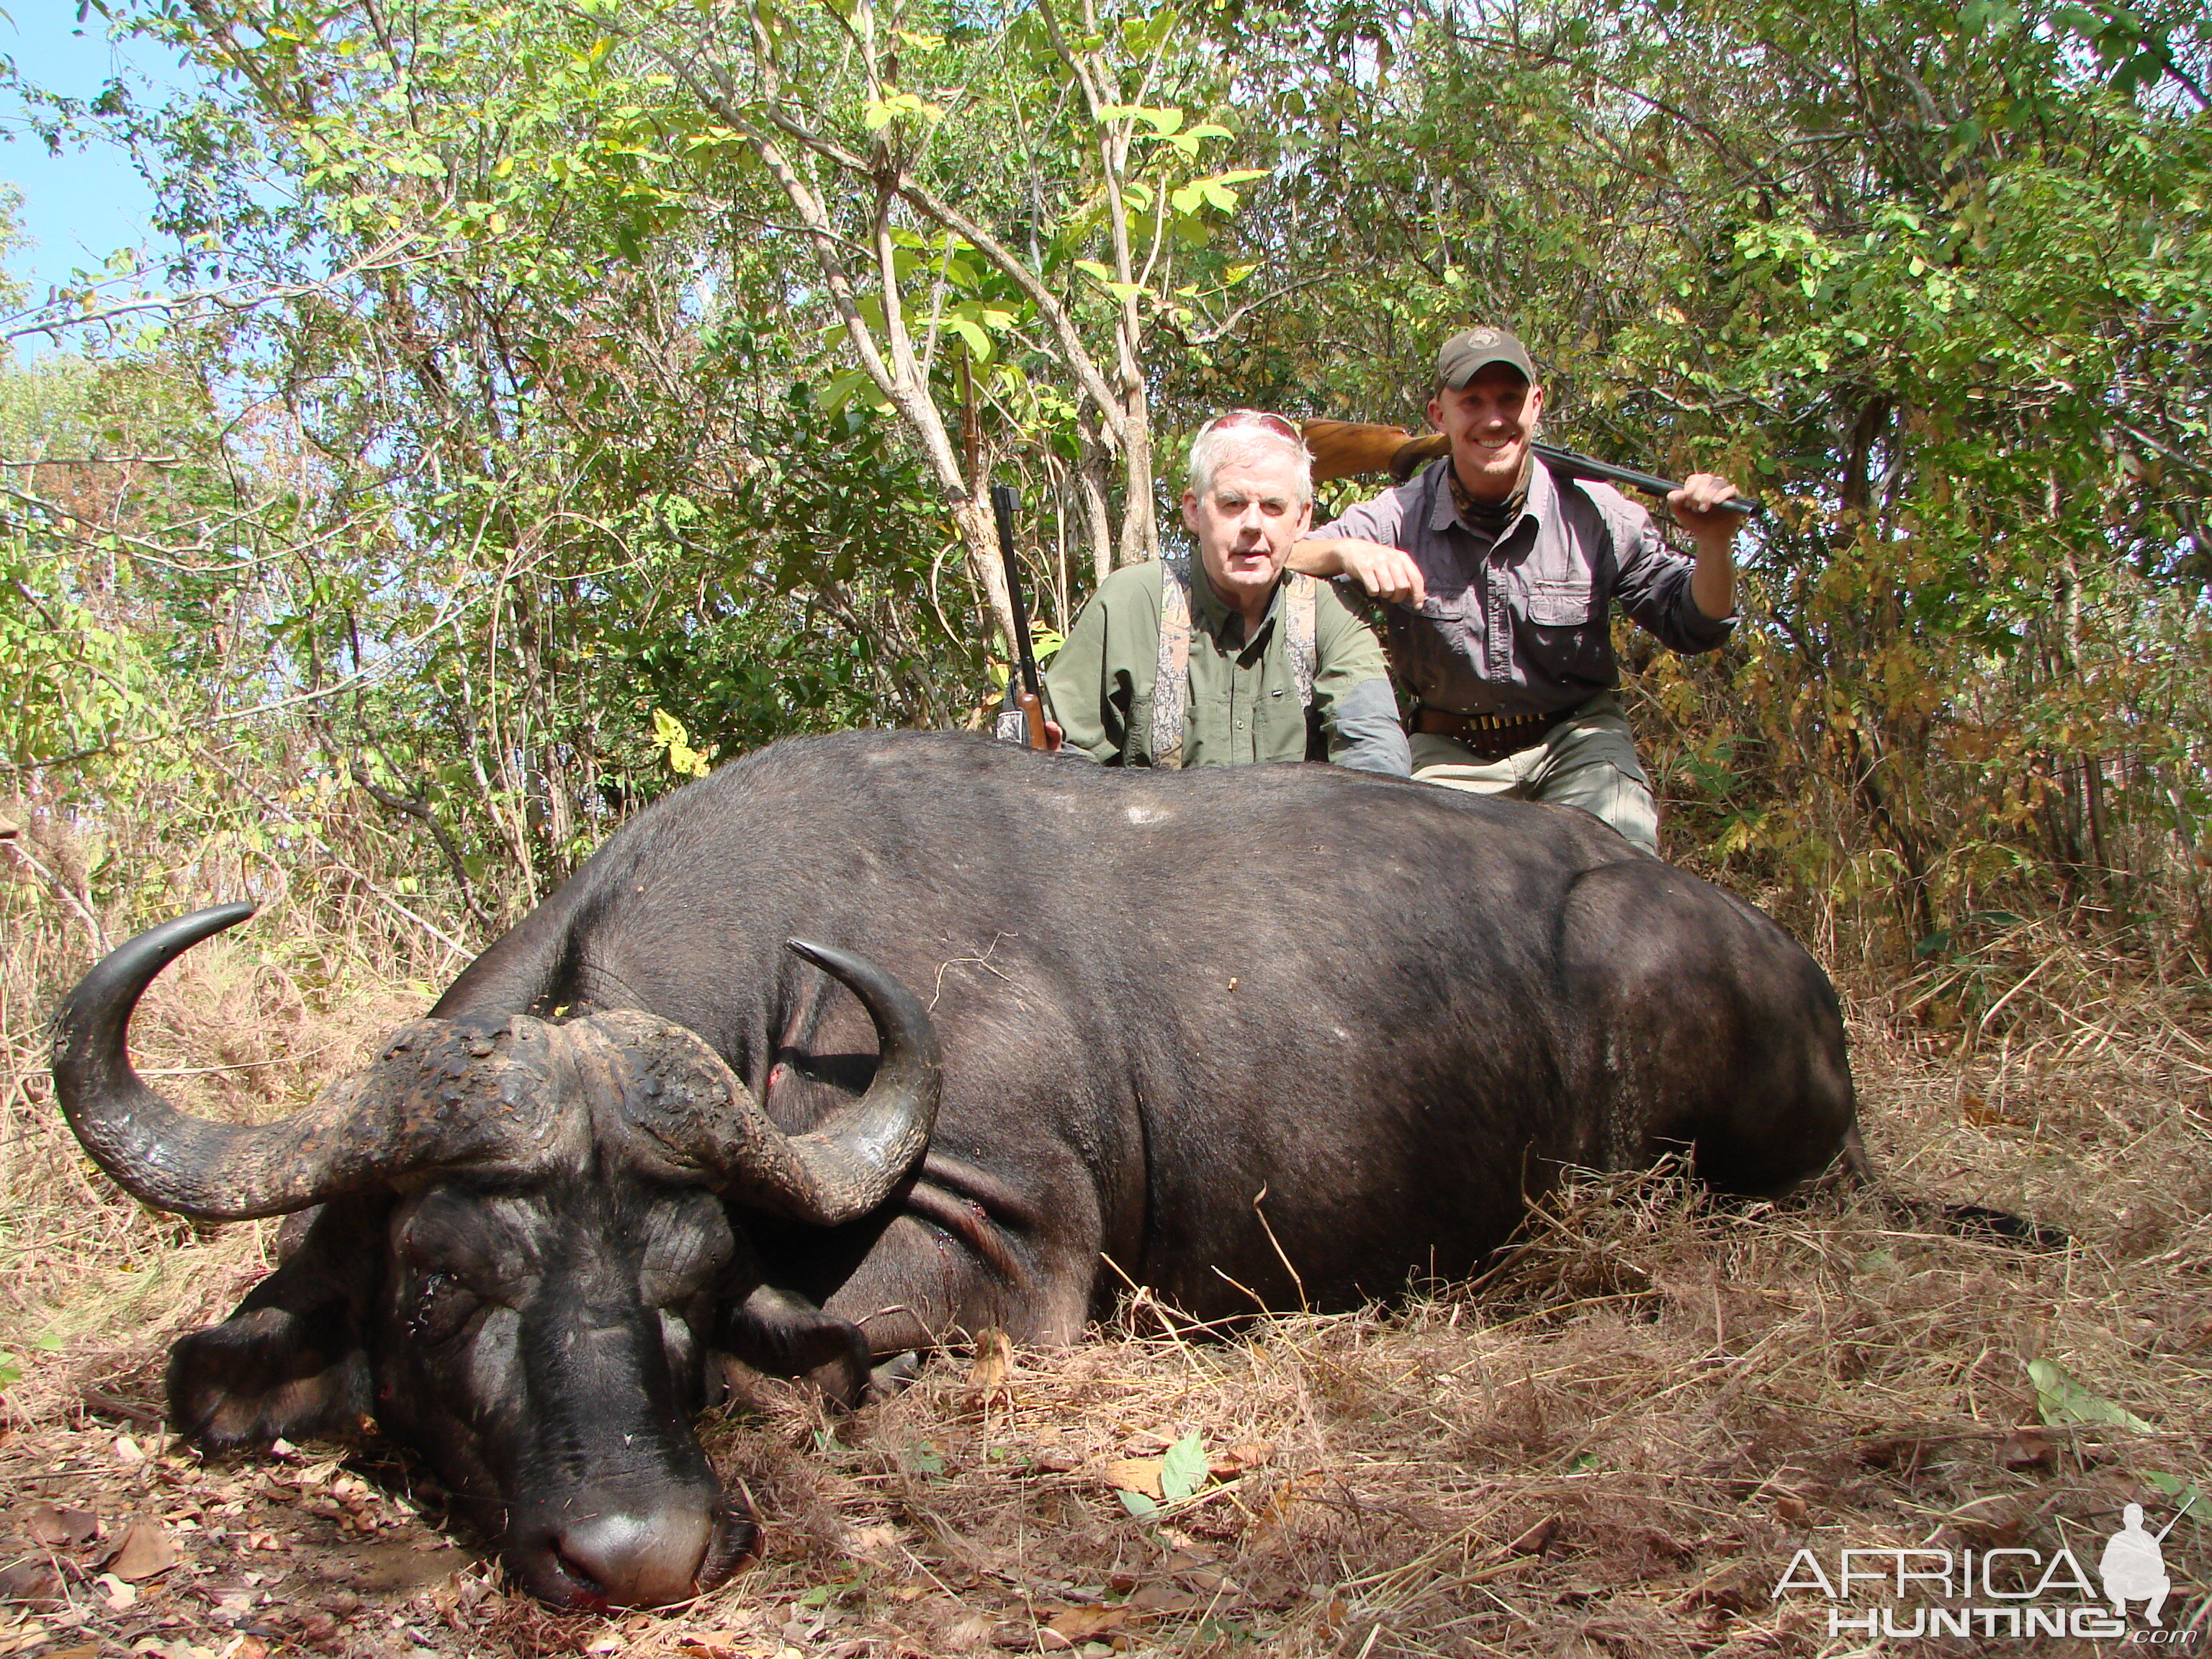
[{"x": 441, "y": 1306}]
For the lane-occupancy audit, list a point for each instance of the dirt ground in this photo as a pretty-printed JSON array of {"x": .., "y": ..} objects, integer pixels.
[{"x": 1616, "y": 1445}]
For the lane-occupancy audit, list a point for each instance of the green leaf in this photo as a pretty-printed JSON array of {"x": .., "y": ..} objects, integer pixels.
[
  {"x": 1163, "y": 119},
  {"x": 1136, "y": 1503},
  {"x": 881, "y": 112},
  {"x": 2065, "y": 1398},
  {"x": 978, "y": 341},
  {"x": 1182, "y": 1470},
  {"x": 1098, "y": 274}
]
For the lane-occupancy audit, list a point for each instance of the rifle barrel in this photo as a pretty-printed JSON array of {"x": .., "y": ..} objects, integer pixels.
[
  {"x": 1029, "y": 696},
  {"x": 1577, "y": 466}
]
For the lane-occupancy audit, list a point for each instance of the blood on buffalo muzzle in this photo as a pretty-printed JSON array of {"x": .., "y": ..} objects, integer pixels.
[{"x": 495, "y": 1194}]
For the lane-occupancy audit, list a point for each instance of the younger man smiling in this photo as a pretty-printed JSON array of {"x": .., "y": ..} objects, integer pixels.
[
  {"x": 1499, "y": 578},
  {"x": 1227, "y": 661}
]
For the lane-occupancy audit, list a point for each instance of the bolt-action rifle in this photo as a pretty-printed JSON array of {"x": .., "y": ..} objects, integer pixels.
[{"x": 1029, "y": 689}]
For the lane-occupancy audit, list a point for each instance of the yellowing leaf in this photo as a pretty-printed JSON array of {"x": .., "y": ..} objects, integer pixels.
[{"x": 669, "y": 735}]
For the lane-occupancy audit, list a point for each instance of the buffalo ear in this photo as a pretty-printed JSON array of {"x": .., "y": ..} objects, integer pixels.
[
  {"x": 292, "y": 1362},
  {"x": 786, "y": 1336}
]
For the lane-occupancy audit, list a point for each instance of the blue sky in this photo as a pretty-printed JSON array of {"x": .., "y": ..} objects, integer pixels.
[{"x": 84, "y": 205}]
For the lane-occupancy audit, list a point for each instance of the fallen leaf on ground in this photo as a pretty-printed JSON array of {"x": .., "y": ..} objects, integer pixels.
[
  {"x": 2026, "y": 1449},
  {"x": 52, "y": 1528},
  {"x": 117, "y": 1593},
  {"x": 1079, "y": 1624},
  {"x": 34, "y": 1582},
  {"x": 1273, "y": 1592},
  {"x": 994, "y": 1360},
  {"x": 1137, "y": 1474},
  {"x": 712, "y": 1643},
  {"x": 1537, "y": 1539},
  {"x": 144, "y": 1551},
  {"x": 1245, "y": 1454},
  {"x": 1183, "y": 1468},
  {"x": 1163, "y": 1598}
]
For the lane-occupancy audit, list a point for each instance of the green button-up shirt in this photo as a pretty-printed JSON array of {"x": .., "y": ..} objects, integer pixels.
[{"x": 1243, "y": 705}]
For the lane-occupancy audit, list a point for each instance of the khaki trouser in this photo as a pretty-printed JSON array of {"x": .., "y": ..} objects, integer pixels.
[{"x": 1588, "y": 761}]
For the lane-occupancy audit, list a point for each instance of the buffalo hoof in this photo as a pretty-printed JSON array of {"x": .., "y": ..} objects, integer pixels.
[{"x": 893, "y": 1374}]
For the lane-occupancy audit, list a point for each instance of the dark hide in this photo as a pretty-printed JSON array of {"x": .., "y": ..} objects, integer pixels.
[
  {"x": 1396, "y": 1009},
  {"x": 1264, "y": 1036}
]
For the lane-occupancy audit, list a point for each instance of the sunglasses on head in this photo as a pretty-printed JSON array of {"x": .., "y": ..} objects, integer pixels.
[{"x": 1236, "y": 418}]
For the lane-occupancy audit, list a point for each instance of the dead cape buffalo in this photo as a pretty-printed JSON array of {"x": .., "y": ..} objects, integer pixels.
[{"x": 638, "y": 1129}]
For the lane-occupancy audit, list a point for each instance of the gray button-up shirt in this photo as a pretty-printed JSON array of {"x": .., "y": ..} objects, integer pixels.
[{"x": 1521, "y": 627}]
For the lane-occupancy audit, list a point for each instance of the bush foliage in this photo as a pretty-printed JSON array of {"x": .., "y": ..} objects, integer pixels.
[{"x": 541, "y": 400}]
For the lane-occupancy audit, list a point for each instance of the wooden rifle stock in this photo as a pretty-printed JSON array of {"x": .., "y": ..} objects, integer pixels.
[{"x": 1029, "y": 688}]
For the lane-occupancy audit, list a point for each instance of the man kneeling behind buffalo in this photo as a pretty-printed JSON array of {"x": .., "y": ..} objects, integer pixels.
[
  {"x": 1499, "y": 579},
  {"x": 1229, "y": 660}
]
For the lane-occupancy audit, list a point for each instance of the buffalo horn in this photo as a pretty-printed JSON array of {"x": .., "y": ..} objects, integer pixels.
[
  {"x": 174, "y": 1161},
  {"x": 848, "y": 1166}
]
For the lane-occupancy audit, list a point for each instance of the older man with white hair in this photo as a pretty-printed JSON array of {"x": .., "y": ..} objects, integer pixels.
[{"x": 1228, "y": 660}]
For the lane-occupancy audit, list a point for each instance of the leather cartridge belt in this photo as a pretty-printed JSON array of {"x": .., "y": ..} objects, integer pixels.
[{"x": 1492, "y": 737}]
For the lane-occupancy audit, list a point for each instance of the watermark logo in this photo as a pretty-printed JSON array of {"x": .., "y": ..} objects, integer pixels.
[
  {"x": 2134, "y": 1567},
  {"x": 2000, "y": 1592}
]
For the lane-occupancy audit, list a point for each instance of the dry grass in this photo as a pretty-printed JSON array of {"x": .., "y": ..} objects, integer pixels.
[{"x": 1612, "y": 1446}]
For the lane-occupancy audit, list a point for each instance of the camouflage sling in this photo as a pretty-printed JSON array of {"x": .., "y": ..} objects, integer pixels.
[{"x": 1171, "y": 685}]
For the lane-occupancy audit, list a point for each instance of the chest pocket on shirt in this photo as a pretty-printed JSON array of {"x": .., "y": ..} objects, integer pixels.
[{"x": 1554, "y": 603}]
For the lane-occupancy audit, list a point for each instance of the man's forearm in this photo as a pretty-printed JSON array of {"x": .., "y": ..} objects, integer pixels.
[
  {"x": 1712, "y": 583},
  {"x": 1386, "y": 572},
  {"x": 1317, "y": 555}
]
